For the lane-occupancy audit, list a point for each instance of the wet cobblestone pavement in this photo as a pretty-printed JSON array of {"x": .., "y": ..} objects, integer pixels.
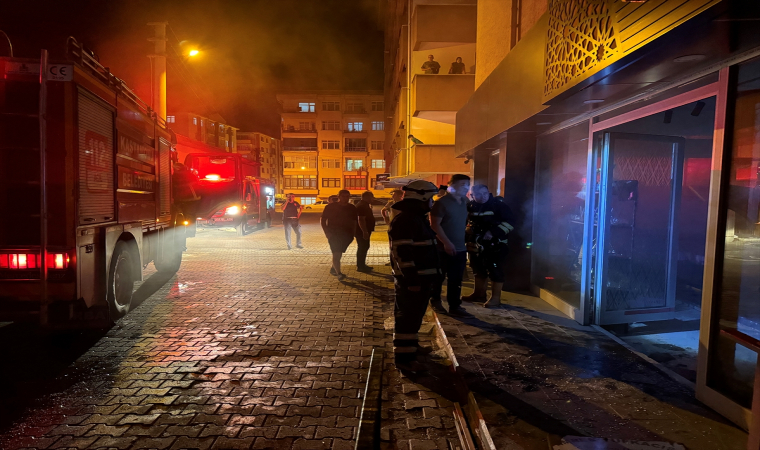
[
  {"x": 248, "y": 346},
  {"x": 539, "y": 376}
]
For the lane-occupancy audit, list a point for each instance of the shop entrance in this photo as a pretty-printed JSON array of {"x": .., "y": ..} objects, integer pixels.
[{"x": 651, "y": 176}]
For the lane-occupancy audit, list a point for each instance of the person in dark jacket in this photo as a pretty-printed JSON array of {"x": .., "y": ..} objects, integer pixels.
[
  {"x": 414, "y": 261},
  {"x": 488, "y": 224}
]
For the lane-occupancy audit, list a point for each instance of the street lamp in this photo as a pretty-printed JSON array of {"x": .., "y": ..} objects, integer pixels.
[{"x": 193, "y": 52}]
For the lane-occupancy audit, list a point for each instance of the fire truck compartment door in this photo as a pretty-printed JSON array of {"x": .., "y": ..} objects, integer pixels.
[
  {"x": 96, "y": 160},
  {"x": 90, "y": 266}
]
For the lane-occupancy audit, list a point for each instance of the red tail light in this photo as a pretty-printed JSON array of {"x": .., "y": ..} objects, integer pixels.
[{"x": 56, "y": 261}]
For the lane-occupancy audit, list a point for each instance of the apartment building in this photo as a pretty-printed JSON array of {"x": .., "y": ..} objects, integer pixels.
[
  {"x": 332, "y": 140},
  {"x": 625, "y": 136},
  {"x": 421, "y": 105},
  {"x": 198, "y": 133},
  {"x": 267, "y": 151}
]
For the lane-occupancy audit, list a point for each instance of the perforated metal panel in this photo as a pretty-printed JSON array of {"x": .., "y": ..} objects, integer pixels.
[
  {"x": 165, "y": 177},
  {"x": 96, "y": 161}
]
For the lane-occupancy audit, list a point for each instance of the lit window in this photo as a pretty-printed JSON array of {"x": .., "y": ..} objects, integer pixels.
[
  {"x": 378, "y": 164},
  {"x": 355, "y": 126},
  {"x": 170, "y": 119},
  {"x": 195, "y": 121},
  {"x": 354, "y": 164},
  {"x": 378, "y": 126},
  {"x": 306, "y": 107},
  {"x": 355, "y": 182}
]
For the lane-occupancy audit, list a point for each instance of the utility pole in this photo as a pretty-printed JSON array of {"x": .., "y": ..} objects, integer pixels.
[{"x": 158, "y": 68}]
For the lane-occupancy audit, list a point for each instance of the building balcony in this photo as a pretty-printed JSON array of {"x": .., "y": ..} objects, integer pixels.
[
  {"x": 355, "y": 149},
  {"x": 301, "y": 149},
  {"x": 439, "y": 26},
  {"x": 429, "y": 103},
  {"x": 298, "y": 130}
]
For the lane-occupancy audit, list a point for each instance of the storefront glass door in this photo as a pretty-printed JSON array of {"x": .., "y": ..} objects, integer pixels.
[
  {"x": 638, "y": 204},
  {"x": 651, "y": 175}
]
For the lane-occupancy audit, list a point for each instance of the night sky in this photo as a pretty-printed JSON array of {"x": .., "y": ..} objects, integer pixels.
[{"x": 251, "y": 50}]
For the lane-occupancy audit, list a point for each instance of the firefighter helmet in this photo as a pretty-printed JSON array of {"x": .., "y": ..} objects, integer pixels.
[{"x": 420, "y": 190}]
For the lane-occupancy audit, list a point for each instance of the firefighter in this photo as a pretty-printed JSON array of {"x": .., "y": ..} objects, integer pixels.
[
  {"x": 414, "y": 261},
  {"x": 488, "y": 224}
]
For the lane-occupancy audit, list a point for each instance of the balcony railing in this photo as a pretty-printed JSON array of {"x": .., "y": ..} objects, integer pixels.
[
  {"x": 355, "y": 149},
  {"x": 302, "y": 149},
  {"x": 354, "y": 131},
  {"x": 298, "y": 130}
]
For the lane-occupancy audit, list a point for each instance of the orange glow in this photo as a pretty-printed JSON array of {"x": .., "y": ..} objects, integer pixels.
[{"x": 193, "y": 52}]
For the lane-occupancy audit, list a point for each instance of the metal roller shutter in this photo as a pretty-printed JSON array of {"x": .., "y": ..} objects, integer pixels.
[
  {"x": 165, "y": 177},
  {"x": 96, "y": 161}
]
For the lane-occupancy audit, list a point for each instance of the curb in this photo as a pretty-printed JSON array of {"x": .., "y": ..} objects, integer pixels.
[{"x": 470, "y": 411}]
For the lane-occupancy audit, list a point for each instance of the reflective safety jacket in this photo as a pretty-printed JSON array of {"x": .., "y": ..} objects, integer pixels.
[
  {"x": 414, "y": 255},
  {"x": 493, "y": 216}
]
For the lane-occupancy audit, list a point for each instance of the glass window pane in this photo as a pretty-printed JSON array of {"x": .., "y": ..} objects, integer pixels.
[
  {"x": 731, "y": 367},
  {"x": 558, "y": 219}
]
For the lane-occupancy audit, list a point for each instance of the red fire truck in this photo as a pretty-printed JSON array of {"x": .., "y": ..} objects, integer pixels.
[
  {"x": 85, "y": 190},
  {"x": 231, "y": 195}
]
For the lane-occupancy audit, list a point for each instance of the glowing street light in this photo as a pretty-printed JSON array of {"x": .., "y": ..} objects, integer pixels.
[{"x": 194, "y": 52}]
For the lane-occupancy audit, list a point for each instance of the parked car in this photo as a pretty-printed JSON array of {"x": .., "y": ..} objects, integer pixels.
[{"x": 314, "y": 207}]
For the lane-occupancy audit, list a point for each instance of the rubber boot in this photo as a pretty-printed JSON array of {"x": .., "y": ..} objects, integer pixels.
[
  {"x": 495, "y": 300},
  {"x": 479, "y": 294}
]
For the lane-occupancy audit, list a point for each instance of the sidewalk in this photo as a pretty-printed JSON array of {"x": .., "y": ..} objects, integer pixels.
[
  {"x": 250, "y": 345},
  {"x": 539, "y": 376}
]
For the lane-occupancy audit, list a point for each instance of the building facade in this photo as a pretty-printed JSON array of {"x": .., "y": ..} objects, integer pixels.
[
  {"x": 267, "y": 151},
  {"x": 197, "y": 133},
  {"x": 625, "y": 136},
  {"x": 332, "y": 141},
  {"x": 422, "y": 102}
]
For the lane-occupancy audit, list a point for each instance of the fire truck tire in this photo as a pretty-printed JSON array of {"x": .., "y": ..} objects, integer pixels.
[{"x": 121, "y": 280}]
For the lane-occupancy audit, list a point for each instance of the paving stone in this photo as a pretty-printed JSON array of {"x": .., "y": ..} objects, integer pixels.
[
  {"x": 345, "y": 433},
  {"x": 153, "y": 443},
  {"x": 229, "y": 353}
]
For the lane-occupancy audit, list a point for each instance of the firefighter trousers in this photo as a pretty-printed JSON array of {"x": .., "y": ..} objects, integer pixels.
[{"x": 409, "y": 310}]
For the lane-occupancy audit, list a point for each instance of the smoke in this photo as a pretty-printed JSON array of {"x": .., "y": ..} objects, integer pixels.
[{"x": 250, "y": 50}]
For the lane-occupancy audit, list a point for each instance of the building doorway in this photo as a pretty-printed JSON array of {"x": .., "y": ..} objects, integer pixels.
[{"x": 651, "y": 177}]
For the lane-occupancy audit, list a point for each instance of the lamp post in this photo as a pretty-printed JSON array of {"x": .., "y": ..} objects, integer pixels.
[{"x": 158, "y": 77}]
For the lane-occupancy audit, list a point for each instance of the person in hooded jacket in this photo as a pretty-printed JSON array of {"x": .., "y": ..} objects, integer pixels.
[{"x": 416, "y": 270}]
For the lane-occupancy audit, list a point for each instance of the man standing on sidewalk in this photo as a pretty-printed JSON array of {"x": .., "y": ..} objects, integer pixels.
[
  {"x": 449, "y": 220},
  {"x": 339, "y": 224},
  {"x": 414, "y": 261},
  {"x": 487, "y": 230},
  {"x": 291, "y": 212},
  {"x": 363, "y": 233},
  {"x": 388, "y": 212}
]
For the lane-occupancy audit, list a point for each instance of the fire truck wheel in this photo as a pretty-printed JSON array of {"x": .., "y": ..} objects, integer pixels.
[{"x": 121, "y": 280}]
